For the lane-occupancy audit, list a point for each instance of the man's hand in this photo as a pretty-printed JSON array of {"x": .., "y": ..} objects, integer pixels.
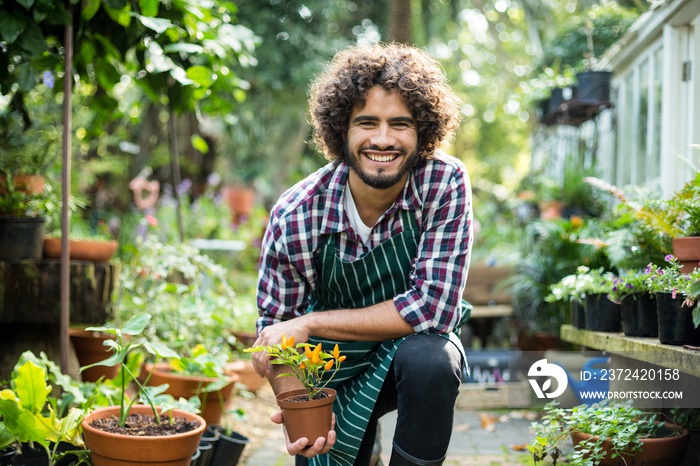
[
  {"x": 301, "y": 446},
  {"x": 272, "y": 335}
]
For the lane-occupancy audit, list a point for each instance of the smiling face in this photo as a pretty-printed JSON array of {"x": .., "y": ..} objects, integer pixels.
[{"x": 382, "y": 140}]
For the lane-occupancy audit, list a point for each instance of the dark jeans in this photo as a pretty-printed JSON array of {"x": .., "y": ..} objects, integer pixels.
[{"x": 422, "y": 383}]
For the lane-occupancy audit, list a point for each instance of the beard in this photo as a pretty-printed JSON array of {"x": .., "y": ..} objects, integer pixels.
[{"x": 380, "y": 180}]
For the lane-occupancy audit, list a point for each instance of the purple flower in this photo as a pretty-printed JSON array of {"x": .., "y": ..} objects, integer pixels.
[
  {"x": 668, "y": 258},
  {"x": 648, "y": 269},
  {"x": 48, "y": 79}
]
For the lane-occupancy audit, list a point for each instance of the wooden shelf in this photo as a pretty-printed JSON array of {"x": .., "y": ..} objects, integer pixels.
[{"x": 648, "y": 350}]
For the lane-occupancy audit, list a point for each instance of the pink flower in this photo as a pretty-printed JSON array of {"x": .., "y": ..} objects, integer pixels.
[{"x": 152, "y": 221}]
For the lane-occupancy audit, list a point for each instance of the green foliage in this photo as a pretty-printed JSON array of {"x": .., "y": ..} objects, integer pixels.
[
  {"x": 187, "y": 294},
  {"x": 122, "y": 347},
  {"x": 619, "y": 422},
  {"x": 551, "y": 251},
  {"x": 30, "y": 413},
  {"x": 629, "y": 282}
]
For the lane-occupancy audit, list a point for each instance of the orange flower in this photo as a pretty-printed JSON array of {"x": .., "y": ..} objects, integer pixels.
[
  {"x": 329, "y": 365},
  {"x": 302, "y": 366},
  {"x": 336, "y": 351},
  {"x": 307, "y": 350},
  {"x": 342, "y": 358},
  {"x": 316, "y": 354},
  {"x": 287, "y": 343}
]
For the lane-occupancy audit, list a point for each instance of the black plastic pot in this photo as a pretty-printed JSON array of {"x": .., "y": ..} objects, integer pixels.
[
  {"x": 21, "y": 238},
  {"x": 36, "y": 456},
  {"x": 602, "y": 315},
  {"x": 639, "y": 315},
  {"x": 228, "y": 448},
  {"x": 578, "y": 315},
  {"x": 593, "y": 87},
  {"x": 675, "y": 321},
  {"x": 194, "y": 461}
]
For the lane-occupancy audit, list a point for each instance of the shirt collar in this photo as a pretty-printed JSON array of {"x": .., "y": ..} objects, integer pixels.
[{"x": 334, "y": 218}]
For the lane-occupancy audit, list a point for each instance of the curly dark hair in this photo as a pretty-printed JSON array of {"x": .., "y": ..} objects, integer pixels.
[{"x": 416, "y": 76}]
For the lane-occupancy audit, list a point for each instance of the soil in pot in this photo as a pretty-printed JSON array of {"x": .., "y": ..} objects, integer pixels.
[
  {"x": 304, "y": 418},
  {"x": 639, "y": 315},
  {"x": 115, "y": 449},
  {"x": 675, "y": 321}
]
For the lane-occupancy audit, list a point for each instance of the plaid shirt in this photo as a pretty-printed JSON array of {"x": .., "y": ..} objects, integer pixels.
[{"x": 438, "y": 191}]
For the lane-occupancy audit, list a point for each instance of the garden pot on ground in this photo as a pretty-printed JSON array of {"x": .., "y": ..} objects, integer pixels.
[
  {"x": 21, "y": 238},
  {"x": 89, "y": 349},
  {"x": 304, "y": 418},
  {"x": 664, "y": 451},
  {"x": 207, "y": 445},
  {"x": 85, "y": 250},
  {"x": 186, "y": 386},
  {"x": 639, "y": 315},
  {"x": 109, "y": 449},
  {"x": 687, "y": 251},
  {"x": 228, "y": 448},
  {"x": 602, "y": 315},
  {"x": 675, "y": 321}
]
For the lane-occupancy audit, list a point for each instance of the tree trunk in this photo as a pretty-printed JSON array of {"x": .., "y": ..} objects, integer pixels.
[{"x": 400, "y": 21}]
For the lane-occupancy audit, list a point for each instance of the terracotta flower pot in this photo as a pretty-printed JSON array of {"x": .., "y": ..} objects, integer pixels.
[
  {"x": 310, "y": 419},
  {"x": 108, "y": 449},
  {"x": 246, "y": 374},
  {"x": 89, "y": 348},
  {"x": 86, "y": 250},
  {"x": 655, "y": 451},
  {"x": 687, "y": 251},
  {"x": 186, "y": 386},
  {"x": 31, "y": 184}
]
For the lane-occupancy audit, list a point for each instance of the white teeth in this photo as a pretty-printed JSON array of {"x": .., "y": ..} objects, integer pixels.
[{"x": 381, "y": 158}]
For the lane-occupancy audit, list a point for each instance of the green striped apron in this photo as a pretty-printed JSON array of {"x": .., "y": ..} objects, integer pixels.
[{"x": 378, "y": 276}]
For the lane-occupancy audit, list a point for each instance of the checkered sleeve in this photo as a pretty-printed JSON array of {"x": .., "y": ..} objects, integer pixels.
[{"x": 438, "y": 278}]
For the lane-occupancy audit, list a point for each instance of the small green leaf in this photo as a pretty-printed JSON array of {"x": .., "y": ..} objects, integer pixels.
[
  {"x": 11, "y": 26},
  {"x": 136, "y": 324},
  {"x": 27, "y": 4},
  {"x": 90, "y": 8},
  {"x": 202, "y": 75},
  {"x": 26, "y": 77},
  {"x": 149, "y": 7},
  {"x": 160, "y": 350},
  {"x": 159, "y": 25},
  {"x": 31, "y": 388},
  {"x": 199, "y": 143}
]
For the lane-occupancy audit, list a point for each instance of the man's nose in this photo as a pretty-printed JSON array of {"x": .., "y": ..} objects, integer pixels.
[{"x": 383, "y": 136}]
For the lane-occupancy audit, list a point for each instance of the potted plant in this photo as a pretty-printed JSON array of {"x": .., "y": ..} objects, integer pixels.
[
  {"x": 130, "y": 433},
  {"x": 201, "y": 375},
  {"x": 307, "y": 412},
  {"x": 686, "y": 246},
  {"x": 602, "y": 314},
  {"x": 569, "y": 290},
  {"x": 607, "y": 433},
  {"x": 229, "y": 444},
  {"x": 677, "y": 302},
  {"x": 38, "y": 422},
  {"x": 637, "y": 302}
]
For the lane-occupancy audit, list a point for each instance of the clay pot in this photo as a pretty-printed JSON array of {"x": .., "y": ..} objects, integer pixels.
[
  {"x": 655, "y": 451},
  {"x": 186, "y": 386},
  {"x": 687, "y": 251},
  {"x": 246, "y": 374},
  {"x": 30, "y": 184},
  {"x": 89, "y": 348},
  {"x": 310, "y": 419},
  {"x": 86, "y": 250},
  {"x": 108, "y": 449}
]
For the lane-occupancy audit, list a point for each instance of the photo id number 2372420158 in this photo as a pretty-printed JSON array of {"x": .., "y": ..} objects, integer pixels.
[{"x": 644, "y": 374}]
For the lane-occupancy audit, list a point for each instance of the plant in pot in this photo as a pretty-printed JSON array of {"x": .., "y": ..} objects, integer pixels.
[
  {"x": 86, "y": 243},
  {"x": 307, "y": 412},
  {"x": 569, "y": 291},
  {"x": 42, "y": 425},
  {"x": 677, "y": 302},
  {"x": 228, "y": 444},
  {"x": 606, "y": 433},
  {"x": 637, "y": 302},
  {"x": 193, "y": 309},
  {"x": 686, "y": 245},
  {"x": 602, "y": 314},
  {"x": 159, "y": 431}
]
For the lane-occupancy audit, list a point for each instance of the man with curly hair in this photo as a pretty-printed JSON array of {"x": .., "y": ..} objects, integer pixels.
[{"x": 372, "y": 252}]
